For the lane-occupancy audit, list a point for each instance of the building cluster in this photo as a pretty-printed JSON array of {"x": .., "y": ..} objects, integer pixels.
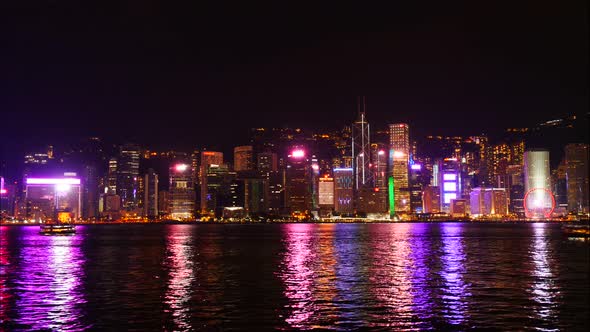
[{"x": 290, "y": 174}]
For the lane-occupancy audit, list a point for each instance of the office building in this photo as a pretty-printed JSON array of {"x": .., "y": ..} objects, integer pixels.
[
  {"x": 127, "y": 175},
  {"x": 53, "y": 198},
  {"x": 576, "y": 163},
  {"x": 181, "y": 192},
  {"x": 431, "y": 200},
  {"x": 208, "y": 158},
  {"x": 299, "y": 182},
  {"x": 150, "y": 194},
  {"x": 243, "y": 158},
  {"x": 399, "y": 154},
  {"x": 361, "y": 148},
  {"x": 539, "y": 201},
  {"x": 488, "y": 202},
  {"x": 449, "y": 181},
  {"x": 343, "y": 190}
]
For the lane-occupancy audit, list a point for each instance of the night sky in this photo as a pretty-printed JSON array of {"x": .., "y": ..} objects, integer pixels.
[{"x": 171, "y": 74}]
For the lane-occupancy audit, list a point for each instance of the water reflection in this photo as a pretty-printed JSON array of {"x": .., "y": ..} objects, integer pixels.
[
  {"x": 391, "y": 275},
  {"x": 544, "y": 290},
  {"x": 298, "y": 275},
  {"x": 6, "y": 268},
  {"x": 48, "y": 284},
  {"x": 455, "y": 290},
  {"x": 179, "y": 263}
]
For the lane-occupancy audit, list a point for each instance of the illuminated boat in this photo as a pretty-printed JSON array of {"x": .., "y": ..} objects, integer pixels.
[
  {"x": 577, "y": 230},
  {"x": 59, "y": 228},
  {"x": 63, "y": 225}
]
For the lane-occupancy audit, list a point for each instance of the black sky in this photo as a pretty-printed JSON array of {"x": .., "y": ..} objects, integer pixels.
[{"x": 190, "y": 73}]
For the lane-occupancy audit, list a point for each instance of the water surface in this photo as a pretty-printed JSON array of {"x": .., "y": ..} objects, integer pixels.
[{"x": 410, "y": 276}]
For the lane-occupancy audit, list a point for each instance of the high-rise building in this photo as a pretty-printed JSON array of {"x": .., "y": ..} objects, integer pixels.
[
  {"x": 343, "y": 190},
  {"x": 449, "y": 181},
  {"x": 266, "y": 163},
  {"x": 326, "y": 191},
  {"x": 361, "y": 148},
  {"x": 431, "y": 199},
  {"x": 399, "y": 154},
  {"x": 488, "y": 202},
  {"x": 539, "y": 201},
  {"x": 208, "y": 158},
  {"x": 243, "y": 158},
  {"x": 299, "y": 182},
  {"x": 150, "y": 194},
  {"x": 127, "y": 174},
  {"x": 112, "y": 177},
  {"x": 181, "y": 192},
  {"x": 576, "y": 160}
]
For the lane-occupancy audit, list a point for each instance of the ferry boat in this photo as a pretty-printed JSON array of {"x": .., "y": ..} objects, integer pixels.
[
  {"x": 57, "y": 228},
  {"x": 63, "y": 224},
  {"x": 577, "y": 230}
]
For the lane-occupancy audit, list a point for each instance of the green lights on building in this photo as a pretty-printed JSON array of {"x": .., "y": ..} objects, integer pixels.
[{"x": 391, "y": 197}]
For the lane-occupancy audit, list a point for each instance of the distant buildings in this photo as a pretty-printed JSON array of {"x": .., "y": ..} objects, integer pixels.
[
  {"x": 127, "y": 174},
  {"x": 539, "y": 201},
  {"x": 298, "y": 182},
  {"x": 488, "y": 202},
  {"x": 243, "y": 158},
  {"x": 343, "y": 190},
  {"x": 150, "y": 200},
  {"x": 577, "y": 172}
]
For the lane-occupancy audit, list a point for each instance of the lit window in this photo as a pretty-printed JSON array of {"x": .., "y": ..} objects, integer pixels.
[
  {"x": 448, "y": 197},
  {"x": 449, "y": 177},
  {"x": 450, "y": 186}
]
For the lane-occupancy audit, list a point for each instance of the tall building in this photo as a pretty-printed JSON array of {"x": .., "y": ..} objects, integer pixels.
[
  {"x": 399, "y": 154},
  {"x": 112, "y": 177},
  {"x": 489, "y": 202},
  {"x": 150, "y": 194},
  {"x": 361, "y": 148},
  {"x": 343, "y": 190},
  {"x": 431, "y": 199},
  {"x": 576, "y": 160},
  {"x": 539, "y": 199},
  {"x": 449, "y": 182},
  {"x": 181, "y": 192},
  {"x": 243, "y": 158},
  {"x": 208, "y": 158},
  {"x": 127, "y": 174},
  {"x": 299, "y": 182}
]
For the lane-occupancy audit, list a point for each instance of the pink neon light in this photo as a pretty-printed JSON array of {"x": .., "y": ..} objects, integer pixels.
[
  {"x": 181, "y": 167},
  {"x": 3, "y": 191},
  {"x": 298, "y": 153},
  {"x": 381, "y": 153},
  {"x": 53, "y": 181}
]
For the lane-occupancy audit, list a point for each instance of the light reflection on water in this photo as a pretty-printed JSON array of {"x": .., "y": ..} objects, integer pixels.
[
  {"x": 179, "y": 264},
  {"x": 455, "y": 290},
  {"x": 48, "y": 288},
  {"x": 544, "y": 290},
  {"x": 294, "y": 276}
]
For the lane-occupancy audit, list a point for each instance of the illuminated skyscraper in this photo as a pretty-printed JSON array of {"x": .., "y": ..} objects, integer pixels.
[
  {"x": 127, "y": 173},
  {"x": 181, "y": 192},
  {"x": 576, "y": 159},
  {"x": 243, "y": 158},
  {"x": 361, "y": 148},
  {"x": 537, "y": 183},
  {"x": 449, "y": 182},
  {"x": 343, "y": 190},
  {"x": 112, "y": 177},
  {"x": 399, "y": 144},
  {"x": 489, "y": 202},
  {"x": 299, "y": 182},
  {"x": 208, "y": 158},
  {"x": 150, "y": 194}
]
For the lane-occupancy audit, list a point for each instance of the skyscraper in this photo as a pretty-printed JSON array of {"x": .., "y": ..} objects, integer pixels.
[
  {"x": 112, "y": 177},
  {"x": 576, "y": 159},
  {"x": 343, "y": 190},
  {"x": 298, "y": 184},
  {"x": 243, "y": 160},
  {"x": 208, "y": 158},
  {"x": 150, "y": 192},
  {"x": 399, "y": 145},
  {"x": 127, "y": 173},
  {"x": 537, "y": 184},
  {"x": 181, "y": 192},
  {"x": 449, "y": 182},
  {"x": 361, "y": 148}
]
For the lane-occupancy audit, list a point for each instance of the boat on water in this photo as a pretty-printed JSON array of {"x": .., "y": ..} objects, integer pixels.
[
  {"x": 577, "y": 230},
  {"x": 57, "y": 228}
]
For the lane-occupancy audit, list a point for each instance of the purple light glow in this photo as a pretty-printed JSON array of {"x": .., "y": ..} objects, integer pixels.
[
  {"x": 56, "y": 181},
  {"x": 416, "y": 167}
]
